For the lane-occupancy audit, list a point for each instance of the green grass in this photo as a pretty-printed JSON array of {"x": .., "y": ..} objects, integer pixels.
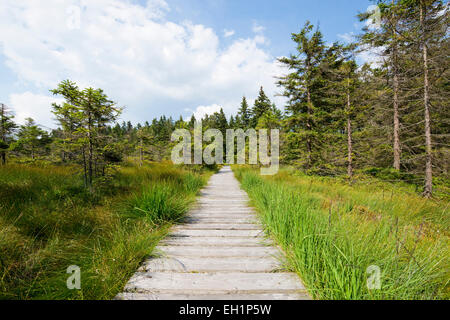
[
  {"x": 48, "y": 222},
  {"x": 332, "y": 232}
]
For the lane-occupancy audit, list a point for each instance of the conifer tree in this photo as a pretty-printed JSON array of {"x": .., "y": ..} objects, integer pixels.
[
  {"x": 430, "y": 23},
  {"x": 388, "y": 38},
  {"x": 31, "y": 140},
  {"x": 85, "y": 115},
  {"x": 261, "y": 106},
  {"x": 303, "y": 88},
  {"x": 244, "y": 115},
  {"x": 7, "y": 127}
]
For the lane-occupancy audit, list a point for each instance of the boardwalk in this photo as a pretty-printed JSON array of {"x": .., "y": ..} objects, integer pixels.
[{"x": 220, "y": 253}]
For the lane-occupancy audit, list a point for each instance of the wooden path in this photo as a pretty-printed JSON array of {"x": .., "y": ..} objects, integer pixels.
[{"x": 219, "y": 253}]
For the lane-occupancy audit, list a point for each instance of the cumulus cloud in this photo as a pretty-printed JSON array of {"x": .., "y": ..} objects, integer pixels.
[
  {"x": 202, "y": 111},
  {"x": 228, "y": 33},
  {"x": 369, "y": 55},
  {"x": 145, "y": 62},
  {"x": 257, "y": 28},
  {"x": 372, "y": 56},
  {"x": 36, "y": 106}
]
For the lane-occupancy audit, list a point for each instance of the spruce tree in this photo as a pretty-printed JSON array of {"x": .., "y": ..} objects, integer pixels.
[
  {"x": 192, "y": 122},
  {"x": 389, "y": 40},
  {"x": 261, "y": 106},
  {"x": 7, "y": 127},
  {"x": 85, "y": 115},
  {"x": 244, "y": 115},
  {"x": 31, "y": 140},
  {"x": 303, "y": 88},
  {"x": 429, "y": 30},
  {"x": 413, "y": 43},
  {"x": 231, "y": 123}
]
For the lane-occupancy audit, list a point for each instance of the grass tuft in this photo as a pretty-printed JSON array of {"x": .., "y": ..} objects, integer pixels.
[
  {"x": 48, "y": 222},
  {"x": 333, "y": 233}
]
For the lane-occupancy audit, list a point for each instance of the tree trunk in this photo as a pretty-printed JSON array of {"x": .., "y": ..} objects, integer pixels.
[
  {"x": 309, "y": 128},
  {"x": 141, "y": 155},
  {"x": 2, "y": 122},
  {"x": 85, "y": 168},
  {"x": 428, "y": 190},
  {"x": 349, "y": 137},
  {"x": 2, "y": 132},
  {"x": 397, "y": 150},
  {"x": 90, "y": 151},
  {"x": 90, "y": 159}
]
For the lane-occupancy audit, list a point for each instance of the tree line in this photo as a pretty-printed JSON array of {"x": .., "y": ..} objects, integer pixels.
[{"x": 339, "y": 117}]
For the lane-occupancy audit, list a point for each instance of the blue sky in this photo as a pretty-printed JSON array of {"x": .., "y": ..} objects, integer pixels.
[
  {"x": 173, "y": 57},
  {"x": 279, "y": 18}
]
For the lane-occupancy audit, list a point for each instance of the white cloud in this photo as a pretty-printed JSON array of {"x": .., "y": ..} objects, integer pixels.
[
  {"x": 374, "y": 21},
  {"x": 257, "y": 28},
  {"x": 228, "y": 33},
  {"x": 347, "y": 37},
  {"x": 369, "y": 55},
  {"x": 145, "y": 62},
  {"x": 36, "y": 106},
  {"x": 372, "y": 56},
  {"x": 201, "y": 111}
]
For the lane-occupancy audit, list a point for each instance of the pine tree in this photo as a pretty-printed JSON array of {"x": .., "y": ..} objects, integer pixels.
[
  {"x": 244, "y": 115},
  {"x": 261, "y": 106},
  {"x": 389, "y": 39},
  {"x": 277, "y": 112},
  {"x": 32, "y": 140},
  {"x": 269, "y": 120},
  {"x": 180, "y": 124},
  {"x": 145, "y": 136},
  {"x": 430, "y": 17},
  {"x": 192, "y": 122},
  {"x": 348, "y": 83},
  {"x": 222, "y": 122},
  {"x": 7, "y": 127},
  {"x": 217, "y": 120},
  {"x": 231, "y": 123},
  {"x": 85, "y": 115},
  {"x": 303, "y": 88},
  {"x": 414, "y": 46}
]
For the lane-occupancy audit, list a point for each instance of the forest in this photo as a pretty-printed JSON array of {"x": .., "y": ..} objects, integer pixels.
[
  {"x": 388, "y": 118},
  {"x": 376, "y": 131}
]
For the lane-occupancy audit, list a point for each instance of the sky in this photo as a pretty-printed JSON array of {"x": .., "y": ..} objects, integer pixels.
[{"x": 156, "y": 57}]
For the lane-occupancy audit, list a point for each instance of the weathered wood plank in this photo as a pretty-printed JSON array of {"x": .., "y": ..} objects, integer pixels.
[{"x": 219, "y": 252}]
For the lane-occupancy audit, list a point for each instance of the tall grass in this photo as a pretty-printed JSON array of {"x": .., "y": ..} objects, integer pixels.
[
  {"x": 333, "y": 232},
  {"x": 48, "y": 221},
  {"x": 167, "y": 201}
]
